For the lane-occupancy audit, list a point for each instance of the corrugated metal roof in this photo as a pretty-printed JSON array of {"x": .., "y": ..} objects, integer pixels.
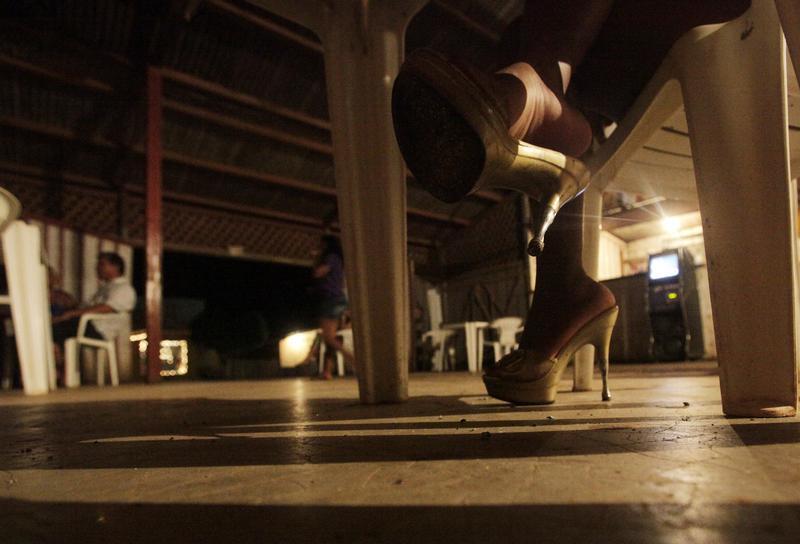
[{"x": 245, "y": 109}]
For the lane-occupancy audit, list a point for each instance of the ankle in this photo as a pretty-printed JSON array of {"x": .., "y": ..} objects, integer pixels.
[
  {"x": 573, "y": 287},
  {"x": 537, "y": 111}
]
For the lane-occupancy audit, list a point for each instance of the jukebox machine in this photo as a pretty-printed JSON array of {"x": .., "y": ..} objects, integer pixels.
[{"x": 674, "y": 307}]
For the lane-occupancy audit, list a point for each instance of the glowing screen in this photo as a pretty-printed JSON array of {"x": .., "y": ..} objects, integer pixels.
[{"x": 664, "y": 266}]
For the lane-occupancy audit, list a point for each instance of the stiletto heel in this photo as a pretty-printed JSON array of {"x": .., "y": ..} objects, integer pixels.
[
  {"x": 602, "y": 347},
  {"x": 523, "y": 378},
  {"x": 543, "y": 216},
  {"x": 454, "y": 138}
]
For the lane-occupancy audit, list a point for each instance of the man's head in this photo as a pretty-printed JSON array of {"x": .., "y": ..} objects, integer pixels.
[{"x": 109, "y": 266}]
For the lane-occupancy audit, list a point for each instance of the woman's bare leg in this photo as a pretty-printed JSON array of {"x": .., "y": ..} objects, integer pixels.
[
  {"x": 329, "y": 329},
  {"x": 565, "y": 297},
  {"x": 555, "y": 37}
]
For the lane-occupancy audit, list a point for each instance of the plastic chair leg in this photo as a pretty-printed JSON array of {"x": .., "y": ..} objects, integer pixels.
[
  {"x": 734, "y": 86},
  {"x": 583, "y": 361},
  {"x": 367, "y": 51},
  {"x": 481, "y": 343},
  {"x": 438, "y": 358},
  {"x": 471, "y": 338},
  {"x": 112, "y": 365},
  {"x": 72, "y": 374},
  {"x": 100, "y": 359},
  {"x": 340, "y": 364}
]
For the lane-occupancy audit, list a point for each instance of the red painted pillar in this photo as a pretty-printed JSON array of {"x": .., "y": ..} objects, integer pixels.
[{"x": 154, "y": 238}]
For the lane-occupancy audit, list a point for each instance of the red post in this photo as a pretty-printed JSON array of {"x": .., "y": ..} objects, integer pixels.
[{"x": 154, "y": 242}]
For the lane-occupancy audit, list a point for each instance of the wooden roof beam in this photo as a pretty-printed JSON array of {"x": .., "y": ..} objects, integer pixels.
[
  {"x": 242, "y": 98},
  {"x": 265, "y": 24},
  {"x": 173, "y": 105},
  {"x": 188, "y": 80},
  {"x": 250, "y": 128},
  {"x": 467, "y": 22}
]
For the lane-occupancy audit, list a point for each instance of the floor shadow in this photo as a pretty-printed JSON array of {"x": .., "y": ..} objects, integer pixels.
[
  {"x": 24, "y": 521},
  {"x": 212, "y": 432}
]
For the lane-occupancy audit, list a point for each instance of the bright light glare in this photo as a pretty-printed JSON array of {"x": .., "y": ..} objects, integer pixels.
[
  {"x": 293, "y": 349},
  {"x": 297, "y": 341},
  {"x": 671, "y": 225}
]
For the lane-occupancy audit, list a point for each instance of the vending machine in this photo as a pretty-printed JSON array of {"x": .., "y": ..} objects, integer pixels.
[{"x": 673, "y": 305}]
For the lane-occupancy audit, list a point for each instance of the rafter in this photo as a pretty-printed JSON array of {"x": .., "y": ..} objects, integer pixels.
[
  {"x": 251, "y": 128},
  {"x": 244, "y": 99},
  {"x": 265, "y": 24}
]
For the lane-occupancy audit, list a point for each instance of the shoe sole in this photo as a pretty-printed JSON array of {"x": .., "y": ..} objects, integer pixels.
[
  {"x": 596, "y": 332},
  {"x": 443, "y": 152},
  {"x": 519, "y": 393}
]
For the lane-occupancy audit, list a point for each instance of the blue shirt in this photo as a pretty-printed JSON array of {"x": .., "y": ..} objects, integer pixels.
[{"x": 331, "y": 285}]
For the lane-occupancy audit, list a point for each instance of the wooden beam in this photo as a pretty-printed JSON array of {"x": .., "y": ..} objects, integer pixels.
[
  {"x": 467, "y": 22},
  {"x": 247, "y": 173},
  {"x": 251, "y": 128},
  {"x": 48, "y": 73},
  {"x": 265, "y": 24},
  {"x": 185, "y": 79},
  {"x": 173, "y": 105},
  {"x": 243, "y": 98},
  {"x": 441, "y": 217},
  {"x": 154, "y": 244}
]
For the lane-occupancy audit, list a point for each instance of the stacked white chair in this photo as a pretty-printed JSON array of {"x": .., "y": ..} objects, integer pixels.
[
  {"x": 439, "y": 339},
  {"x": 506, "y": 330}
]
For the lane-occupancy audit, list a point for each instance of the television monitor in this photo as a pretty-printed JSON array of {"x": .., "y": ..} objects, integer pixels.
[{"x": 664, "y": 266}]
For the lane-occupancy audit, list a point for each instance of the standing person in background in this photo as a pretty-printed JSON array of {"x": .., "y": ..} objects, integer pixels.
[{"x": 329, "y": 291}]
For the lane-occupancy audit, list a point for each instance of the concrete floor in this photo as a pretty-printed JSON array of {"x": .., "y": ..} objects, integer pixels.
[{"x": 300, "y": 460}]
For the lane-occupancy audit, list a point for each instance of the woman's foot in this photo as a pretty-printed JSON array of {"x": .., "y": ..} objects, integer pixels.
[
  {"x": 537, "y": 111},
  {"x": 554, "y": 318},
  {"x": 557, "y": 314}
]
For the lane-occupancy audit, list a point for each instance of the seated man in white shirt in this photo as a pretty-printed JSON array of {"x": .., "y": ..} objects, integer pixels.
[{"x": 115, "y": 296}]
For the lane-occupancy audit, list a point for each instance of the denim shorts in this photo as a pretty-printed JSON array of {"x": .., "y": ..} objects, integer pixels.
[{"x": 332, "y": 308}]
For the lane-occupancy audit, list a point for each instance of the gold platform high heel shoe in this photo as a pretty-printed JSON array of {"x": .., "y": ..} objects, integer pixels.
[
  {"x": 520, "y": 378},
  {"x": 454, "y": 138}
]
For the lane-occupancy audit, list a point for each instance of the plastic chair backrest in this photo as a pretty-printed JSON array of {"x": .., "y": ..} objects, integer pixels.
[{"x": 10, "y": 208}]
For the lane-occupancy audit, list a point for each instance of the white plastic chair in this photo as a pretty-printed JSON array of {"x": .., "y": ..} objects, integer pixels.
[
  {"x": 506, "y": 329},
  {"x": 731, "y": 80},
  {"x": 105, "y": 347},
  {"x": 30, "y": 309},
  {"x": 439, "y": 338},
  {"x": 10, "y": 208},
  {"x": 347, "y": 340}
]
